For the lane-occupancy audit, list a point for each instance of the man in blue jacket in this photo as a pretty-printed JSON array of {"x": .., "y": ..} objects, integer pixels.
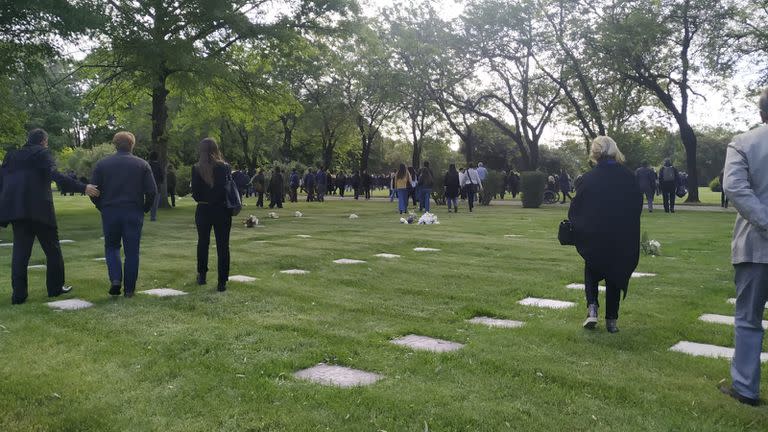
[{"x": 26, "y": 202}]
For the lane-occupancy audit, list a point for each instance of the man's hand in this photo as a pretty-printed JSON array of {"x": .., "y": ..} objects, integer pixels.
[{"x": 92, "y": 191}]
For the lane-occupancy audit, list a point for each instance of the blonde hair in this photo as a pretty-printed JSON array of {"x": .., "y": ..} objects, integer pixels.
[
  {"x": 124, "y": 141},
  {"x": 604, "y": 147}
]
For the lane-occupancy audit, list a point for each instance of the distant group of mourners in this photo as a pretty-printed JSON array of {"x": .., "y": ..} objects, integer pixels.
[{"x": 670, "y": 183}]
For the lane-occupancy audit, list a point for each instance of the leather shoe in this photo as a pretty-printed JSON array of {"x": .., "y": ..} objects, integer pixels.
[
  {"x": 64, "y": 289},
  {"x": 221, "y": 287},
  {"x": 728, "y": 390},
  {"x": 201, "y": 279},
  {"x": 610, "y": 325},
  {"x": 114, "y": 290}
]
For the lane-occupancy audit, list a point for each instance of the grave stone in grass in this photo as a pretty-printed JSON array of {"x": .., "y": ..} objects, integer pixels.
[
  {"x": 338, "y": 376},
  {"x": 546, "y": 303},
  {"x": 496, "y": 322},
  {"x": 69, "y": 304},
  {"x": 707, "y": 350},
  {"x": 425, "y": 343}
]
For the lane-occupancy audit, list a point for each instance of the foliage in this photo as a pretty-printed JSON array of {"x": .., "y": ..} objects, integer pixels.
[
  {"x": 714, "y": 185},
  {"x": 82, "y": 160},
  {"x": 532, "y": 184},
  {"x": 493, "y": 186},
  {"x": 183, "y": 180}
]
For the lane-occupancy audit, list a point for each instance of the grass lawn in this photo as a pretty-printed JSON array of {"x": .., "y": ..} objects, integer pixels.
[{"x": 210, "y": 361}]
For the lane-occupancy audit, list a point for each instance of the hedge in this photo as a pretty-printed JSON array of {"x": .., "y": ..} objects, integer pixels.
[{"x": 532, "y": 184}]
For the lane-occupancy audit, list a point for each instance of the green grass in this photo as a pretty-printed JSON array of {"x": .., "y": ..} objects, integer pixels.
[{"x": 210, "y": 361}]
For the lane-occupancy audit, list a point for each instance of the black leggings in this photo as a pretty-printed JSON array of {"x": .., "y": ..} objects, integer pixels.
[
  {"x": 219, "y": 218},
  {"x": 613, "y": 289}
]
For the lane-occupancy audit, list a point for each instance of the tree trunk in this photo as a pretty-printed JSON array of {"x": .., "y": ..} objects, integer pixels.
[
  {"x": 328, "y": 155},
  {"x": 159, "y": 124},
  {"x": 289, "y": 122},
  {"x": 690, "y": 143}
]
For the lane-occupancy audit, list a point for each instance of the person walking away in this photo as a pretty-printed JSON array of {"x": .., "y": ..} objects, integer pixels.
[
  {"x": 128, "y": 191},
  {"x": 451, "y": 185},
  {"x": 356, "y": 184},
  {"x": 26, "y": 202},
  {"x": 723, "y": 196},
  {"x": 241, "y": 181},
  {"x": 565, "y": 186},
  {"x": 482, "y": 172},
  {"x": 276, "y": 189},
  {"x": 668, "y": 179},
  {"x": 392, "y": 190},
  {"x": 402, "y": 180},
  {"x": 341, "y": 183},
  {"x": 158, "y": 174},
  {"x": 170, "y": 184},
  {"x": 473, "y": 185},
  {"x": 366, "y": 178},
  {"x": 321, "y": 180},
  {"x": 462, "y": 189},
  {"x": 293, "y": 184},
  {"x": 745, "y": 182},
  {"x": 209, "y": 177},
  {"x": 426, "y": 183},
  {"x": 605, "y": 214},
  {"x": 259, "y": 185},
  {"x": 646, "y": 182},
  {"x": 514, "y": 184},
  {"x": 413, "y": 185},
  {"x": 309, "y": 184}
]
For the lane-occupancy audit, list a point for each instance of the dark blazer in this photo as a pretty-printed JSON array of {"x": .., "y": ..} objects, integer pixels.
[
  {"x": 25, "y": 191},
  {"x": 276, "y": 187},
  {"x": 212, "y": 195},
  {"x": 605, "y": 214},
  {"x": 451, "y": 183}
]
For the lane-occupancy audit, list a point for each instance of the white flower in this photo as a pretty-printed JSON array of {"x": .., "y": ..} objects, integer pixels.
[
  {"x": 403, "y": 221},
  {"x": 273, "y": 215},
  {"x": 298, "y": 214},
  {"x": 428, "y": 219},
  {"x": 353, "y": 216}
]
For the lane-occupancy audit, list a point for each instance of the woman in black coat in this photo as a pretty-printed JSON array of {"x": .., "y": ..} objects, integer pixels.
[
  {"x": 276, "y": 189},
  {"x": 605, "y": 214},
  {"x": 209, "y": 175},
  {"x": 451, "y": 184}
]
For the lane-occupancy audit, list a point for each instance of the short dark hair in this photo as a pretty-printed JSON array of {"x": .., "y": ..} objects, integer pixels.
[
  {"x": 426, "y": 164},
  {"x": 36, "y": 136}
]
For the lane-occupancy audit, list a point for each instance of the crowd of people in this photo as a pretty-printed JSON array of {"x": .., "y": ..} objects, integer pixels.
[{"x": 604, "y": 215}]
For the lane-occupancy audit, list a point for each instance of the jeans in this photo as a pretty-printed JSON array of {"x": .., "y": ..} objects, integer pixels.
[
  {"x": 452, "y": 200},
  {"x": 751, "y": 294},
  {"x": 220, "y": 219},
  {"x": 122, "y": 225},
  {"x": 153, "y": 210},
  {"x": 668, "y": 193},
  {"x": 24, "y": 233},
  {"x": 425, "y": 195},
  {"x": 613, "y": 289},
  {"x": 471, "y": 196},
  {"x": 392, "y": 194},
  {"x": 402, "y": 200},
  {"x": 649, "y": 198}
]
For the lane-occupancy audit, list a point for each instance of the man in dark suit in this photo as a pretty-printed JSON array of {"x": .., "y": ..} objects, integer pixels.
[{"x": 26, "y": 203}]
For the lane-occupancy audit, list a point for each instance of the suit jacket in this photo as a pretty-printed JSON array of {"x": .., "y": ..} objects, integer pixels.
[
  {"x": 25, "y": 191},
  {"x": 745, "y": 183},
  {"x": 605, "y": 214}
]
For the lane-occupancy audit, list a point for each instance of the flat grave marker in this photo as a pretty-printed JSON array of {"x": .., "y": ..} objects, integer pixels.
[
  {"x": 387, "y": 255},
  {"x": 642, "y": 275},
  {"x": 348, "y": 261},
  {"x": 546, "y": 303},
  {"x": 706, "y": 350},
  {"x": 242, "y": 278},
  {"x": 338, "y": 376},
  {"x": 294, "y": 272},
  {"x": 426, "y": 343},
  {"x": 581, "y": 286},
  {"x": 425, "y": 249},
  {"x": 66, "y": 241},
  {"x": 163, "y": 292},
  {"x": 496, "y": 322},
  {"x": 723, "y": 319},
  {"x": 37, "y": 267},
  {"x": 69, "y": 304}
]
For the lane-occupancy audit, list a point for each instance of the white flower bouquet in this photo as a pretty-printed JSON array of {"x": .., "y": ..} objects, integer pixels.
[
  {"x": 273, "y": 215},
  {"x": 649, "y": 246},
  {"x": 251, "y": 221},
  {"x": 428, "y": 219},
  {"x": 298, "y": 214},
  {"x": 353, "y": 216}
]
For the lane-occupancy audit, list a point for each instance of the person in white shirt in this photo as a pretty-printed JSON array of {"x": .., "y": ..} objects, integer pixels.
[
  {"x": 472, "y": 183},
  {"x": 482, "y": 172}
]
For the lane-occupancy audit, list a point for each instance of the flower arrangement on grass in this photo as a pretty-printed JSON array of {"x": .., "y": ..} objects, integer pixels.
[
  {"x": 353, "y": 216},
  {"x": 251, "y": 221},
  {"x": 649, "y": 246},
  {"x": 273, "y": 215},
  {"x": 428, "y": 219},
  {"x": 298, "y": 214}
]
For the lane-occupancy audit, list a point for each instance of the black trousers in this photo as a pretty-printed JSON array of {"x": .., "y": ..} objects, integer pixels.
[
  {"x": 341, "y": 191},
  {"x": 220, "y": 219},
  {"x": 172, "y": 193},
  {"x": 294, "y": 194},
  {"x": 24, "y": 234},
  {"x": 668, "y": 190},
  {"x": 260, "y": 199},
  {"x": 613, "y": 289}
]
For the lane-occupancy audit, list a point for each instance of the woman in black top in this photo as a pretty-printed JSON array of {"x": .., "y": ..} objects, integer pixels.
[
  {"x": 276, "y": 189},
  {"x": 209, "y": 176},
  {"x": 605, "y": 214},
  {"x": 451, "y": 184}
]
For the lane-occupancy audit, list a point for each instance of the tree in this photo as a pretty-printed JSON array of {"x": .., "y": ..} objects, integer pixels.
[
  {"x": 665, "y": 47},
  {"x": 152, "y": 42}
]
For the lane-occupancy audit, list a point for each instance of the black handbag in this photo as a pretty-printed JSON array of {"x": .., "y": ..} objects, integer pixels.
[
  {"x": 232, "y": 196},
  {"x": 565, "y": 233}
]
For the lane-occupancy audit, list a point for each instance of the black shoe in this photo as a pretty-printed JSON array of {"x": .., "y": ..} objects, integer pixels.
[
  {"x": 221, "y": 287},
  {"x": 64, "y": 290},
  {"x": 610, "y": 325},
  {"x": 128, "y": 294},
  {"x": 591, "y": 322},
  {"x": 201, "y": 279},
  {"x": 728, "y": 390},
  {"x": 114, "y": 290}
]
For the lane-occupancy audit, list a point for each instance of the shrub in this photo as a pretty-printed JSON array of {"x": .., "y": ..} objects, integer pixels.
[
  {"x": 183, "y": 180},
  {"x": 438, "y": 195},
  {"x": 82, "y": 160},
  {"x": 492, "y": 186},
  {"x": 532, "y": 184},
  {"x": 714, "y": 185}
]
